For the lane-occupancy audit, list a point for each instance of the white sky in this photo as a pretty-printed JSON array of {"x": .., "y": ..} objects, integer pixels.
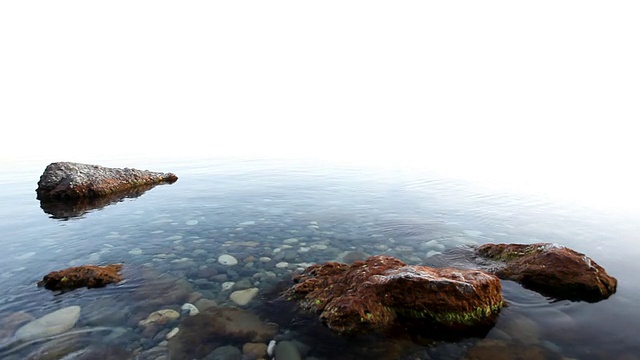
[{"x": 542, "y": 96}]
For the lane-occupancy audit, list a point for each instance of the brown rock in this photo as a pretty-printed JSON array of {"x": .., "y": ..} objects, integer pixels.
[
  {"x": 204, "y": 304},
  {"x": 551, "y": 269},
  {"x": 381, "y": 292},
  {"x": 257, "y": 350},
  {"x": 214, "y": 327},
  {"x": 69, "y": 181},
  {"x": 194, "y": 296},
  {"x": 90, "y": 276}
]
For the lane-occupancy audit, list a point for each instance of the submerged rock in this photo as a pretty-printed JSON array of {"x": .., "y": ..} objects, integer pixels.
[
  {"x": 90, "y": 276},
  {"x": 72, "y": 181},
  {"x": 227, "y": 352},
  {"x": 381, "y": 292},
  {"x": 53, "y": 323},
  {"x": 201, "y": 334},
  {"x": 551, "y": 269},
  {"x": 160, "y": 317},
  {"x": 11, "y": 322},
  {"x": 243, "y": 297},
  {"x": 286, "y": 350},
  {"x": 503, "y": 350}
]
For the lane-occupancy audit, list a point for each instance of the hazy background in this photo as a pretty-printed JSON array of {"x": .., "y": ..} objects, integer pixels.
[{"x": 541, "y": 97}]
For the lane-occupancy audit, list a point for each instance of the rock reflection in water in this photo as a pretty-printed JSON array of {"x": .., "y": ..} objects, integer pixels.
[{"x": 65, "y": 210}]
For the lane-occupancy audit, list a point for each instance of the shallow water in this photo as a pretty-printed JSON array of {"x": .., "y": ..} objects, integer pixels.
[{"x": 174, "y": 234}]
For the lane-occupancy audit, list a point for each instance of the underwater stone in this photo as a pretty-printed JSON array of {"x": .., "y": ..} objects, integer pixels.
[
  {"x": 506, "y": 350},
  {"x": 172, "y": 333},
  {"x": 215, "y": 327},
  {"x": 382, "y": 292},
  {"x": 287, "y": 350},
  {"x": 53, "y": 323},
  {"x": 551, "y": 269},
  {"x": 190, "y": 309},
  {"x": 160, "y": 317},
  {"x": 255, "y": 350},
  {"x": 227, "y": 260},
  {"x": 243, "y": 297}
]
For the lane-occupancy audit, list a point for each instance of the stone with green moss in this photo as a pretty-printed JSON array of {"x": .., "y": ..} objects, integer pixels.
[{"x": 379, "y": 293}]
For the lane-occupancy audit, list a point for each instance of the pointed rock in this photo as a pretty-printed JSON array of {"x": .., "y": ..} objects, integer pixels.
[
  {"x": 243, "y": 297},
  {"x": 72, "y": 181}
]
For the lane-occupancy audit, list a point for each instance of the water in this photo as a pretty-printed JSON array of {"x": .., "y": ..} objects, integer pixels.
[{"x": 170, "y": 238}]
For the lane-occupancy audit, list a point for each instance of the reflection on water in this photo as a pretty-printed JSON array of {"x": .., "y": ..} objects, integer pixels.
[
  {"x": 68, "y": 209},
  {"x": 277, "y": 218}
]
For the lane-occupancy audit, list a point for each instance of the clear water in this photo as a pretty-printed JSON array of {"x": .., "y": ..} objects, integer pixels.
[{"x": 175, "y": 233}]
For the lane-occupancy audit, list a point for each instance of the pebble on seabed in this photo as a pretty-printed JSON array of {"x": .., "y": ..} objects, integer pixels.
[
  {"x": 243, "y": 297},
  {"x": 227, "y": 260},
  {"x": 227, "y": 285},
  {"x": 172, "y": 333},
  {"x": 192, "y": 309},
  {"x": 271, "y": 347}
]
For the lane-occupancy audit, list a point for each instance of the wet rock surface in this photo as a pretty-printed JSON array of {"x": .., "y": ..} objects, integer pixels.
[
  {"x": 382, "y": 292},
  {"x": 551, "y": 269},
  {"x": 89, "y": 276},
  {"x": 72, "y": 181}
]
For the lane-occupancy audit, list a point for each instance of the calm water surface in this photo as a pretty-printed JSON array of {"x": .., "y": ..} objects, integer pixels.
[{"x": 297, "y": 213}]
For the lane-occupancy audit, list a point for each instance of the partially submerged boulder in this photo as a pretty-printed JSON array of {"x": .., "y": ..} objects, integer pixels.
[
  {"x": 71, "y": 181},
  {"x": 382, "y": 292},
  {"x": 90, "y": 276},
  {"x": 551, "y": 269}
]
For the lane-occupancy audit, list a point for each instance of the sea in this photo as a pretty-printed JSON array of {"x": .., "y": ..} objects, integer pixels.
[{"x": 275, "y": 218}]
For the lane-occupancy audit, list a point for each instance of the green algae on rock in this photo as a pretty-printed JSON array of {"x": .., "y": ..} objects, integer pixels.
[{"x": 382, "y": 292}]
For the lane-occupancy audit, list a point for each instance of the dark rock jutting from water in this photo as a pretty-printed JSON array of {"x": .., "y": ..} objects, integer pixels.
[
  {"x": 89, "y": 276},
  {"x": 381, "y": 293},
  {"x": 72, "y": 181},
  {"x": 551, "y": 269}
]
